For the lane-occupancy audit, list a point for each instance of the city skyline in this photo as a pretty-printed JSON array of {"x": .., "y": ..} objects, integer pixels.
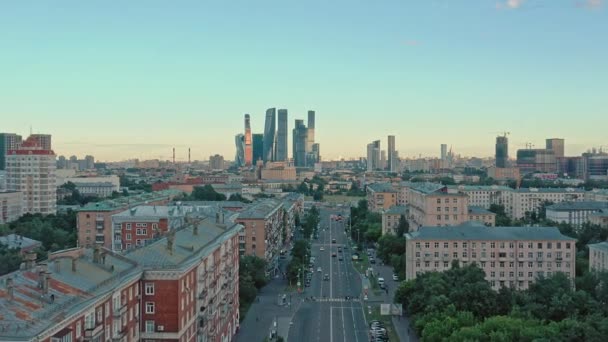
[{"x": 187, "y": 81}]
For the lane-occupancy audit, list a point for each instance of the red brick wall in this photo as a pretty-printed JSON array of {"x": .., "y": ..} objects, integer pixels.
[{"x": 166, "y": 304}]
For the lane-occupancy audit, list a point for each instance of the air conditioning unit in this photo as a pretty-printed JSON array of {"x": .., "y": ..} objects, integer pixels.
[{"x": 160, "y": 328}]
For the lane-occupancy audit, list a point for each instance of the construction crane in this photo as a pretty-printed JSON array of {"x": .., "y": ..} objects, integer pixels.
[
  {"x": 529, "y": 145},
  {"x": 504, "y": 133}
]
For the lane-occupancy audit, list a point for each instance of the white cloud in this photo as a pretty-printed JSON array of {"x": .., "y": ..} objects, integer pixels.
[{"x": 510, "y": 4}]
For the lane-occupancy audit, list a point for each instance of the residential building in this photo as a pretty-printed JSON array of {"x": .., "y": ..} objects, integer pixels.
[
  {"x": 391, "y": 219},
  {"x": 136, "y": 226},
  {"x": 502, "y": 151},
  {"x": 533, "y": 160},
  {"x": 510, "y": 256},
  {"x": 529, "y": 200},
  {"x": 392, "y": 163},
  {"x": 557, "y": 146},
  {"x": 278, "y": 171},
  {"x": 43, "y": 140},
  {"x": 380, "y": 196},
  {"x": 92, "y": 186},
  {"x": 483, "y": 195},
  {"x": 247, "y": 141},
  {"x": 263, "y": 237},
  {"x": 179, "y": 288},
  {"x": 216, "y": 162},
  {"x": 482, "y": 215},
  {"x": 430, "y": 204},
  {"x": 31, "y": 170},
  {"x": 598, "y": 257},
  {"x": 94, "y": 220},
  {"x": 373, "y": 156},
  {"x": 503, "y": 174},
  {"x": 600, "y": 218},
  {"x": 24, "y": 244},
  {"x": 300, "y": 141},
  {"x": 269, "y": 135},
  {"x": 574, "y": 213},
  {"x": 597, "y": 195},
  {"x": 8, "y": 141},
  {"x": 11, "y": 204}
]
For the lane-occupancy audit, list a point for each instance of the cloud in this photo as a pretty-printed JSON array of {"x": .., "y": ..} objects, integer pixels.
[
  {"x": 590, "y": 4},
  {"x": 510, "y": 4},
  {"x": 412, "y": 42}
]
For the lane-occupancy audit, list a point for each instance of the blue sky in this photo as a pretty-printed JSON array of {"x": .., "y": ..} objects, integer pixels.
[{"x": 120, "y": 79}]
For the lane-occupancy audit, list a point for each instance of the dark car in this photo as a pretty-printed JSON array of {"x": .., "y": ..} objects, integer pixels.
[
  {"x": 372, "y": 261},
  {"x": 333, "y": 240}
]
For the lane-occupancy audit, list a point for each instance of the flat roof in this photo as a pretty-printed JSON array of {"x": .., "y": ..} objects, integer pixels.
[
  {"x": 583, "y": 205},
  {"x": 18, "y": 241},
  {"x": 602, "y": 246},
  {"x": 476, "y": 231},
  {"x": 548, "y": 190},
  {"x": 381, "y": 187},
  {"x": 121, "y": 202},
  {"x": 474, "y": 210}
]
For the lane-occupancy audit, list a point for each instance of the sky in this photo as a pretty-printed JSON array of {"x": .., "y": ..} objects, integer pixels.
[{"x": 132, "y": 79}]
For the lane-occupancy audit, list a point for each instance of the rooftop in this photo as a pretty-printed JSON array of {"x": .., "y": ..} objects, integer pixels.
[
  {"x": 549, "y": 190},
  {"x": 151, "y": 211},
  {"x": 261, "y": 209},
  {"x": 602, "y": 246},
  {"x": 480, "y": 187},
  {"x": 381, "y": 187},
  {"x": 397, "y": 210},
  {"x": 473, "y": 210},
  {"x": 583, "y": 205},
  {"x": 477, "y": 231},
  {"x": 123, "y": 202},
  {"x": 18, "y": 241},
  {"x": 427, "y": 187}
]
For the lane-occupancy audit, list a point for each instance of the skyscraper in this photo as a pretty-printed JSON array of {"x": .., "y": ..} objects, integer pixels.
[
  {"x": 248, "y": 149},
  {"x": 239, "y": 142},
  {"x": 44, "y": 140},
  {"x": 373, "y": 156},
  {"x": 391, "y": 152},
  {"x": 31, "y": 169},
  {"x": 444, "y": 152},
  {"x": 8, "y": 141},
  {"x": 281, "y": 148},
  {"x": 370, "y": 157},
  {"x": 269, "y": 134},
  {"x": 502, "y": 151},
  {"x": 258, "y": 147},
  {"x": 300, "y": 140},
  {"x": 311, "y": 130},
  {"x": 557, "y": 146}
]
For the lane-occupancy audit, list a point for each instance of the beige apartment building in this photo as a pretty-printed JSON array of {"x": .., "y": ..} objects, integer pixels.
[
  {"x": 510, "y": 256},
  {"x": 483, "y": 195},
  {"x": 11, "y": 203},
  {"x": 391, "y": 218},
  {"x": 598, "y": 256},
  {"x": 380, "y": 196},
  {"x": 530, "y": 200}
]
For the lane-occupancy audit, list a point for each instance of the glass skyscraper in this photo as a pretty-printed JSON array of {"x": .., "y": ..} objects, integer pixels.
[
  {"x": 281, "y": 147},
  {"x": 269, "y": 134}
]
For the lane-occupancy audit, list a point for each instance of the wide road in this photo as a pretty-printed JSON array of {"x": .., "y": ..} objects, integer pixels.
[{"x": 331, "y": 317}]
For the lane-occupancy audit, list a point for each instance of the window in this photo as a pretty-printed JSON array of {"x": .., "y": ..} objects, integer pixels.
[
  {"x": 539, "y": 245},
  {"x": 438, "y": 208},
  {"x": 492, "y": 274},
  {"x": 511, "y": 264},
  {"x": 436, "y": 254},
  {"x": 99, "y": 315},
  {"x": 438, "y": 217},
  {"x": 464, "y": 245},
  {"x": 511, "y": 245},
  {"x": 436, "y": 264},
  {"x": 455, "y": 255},
  {"x": 427, "y": 245},
  {"x": 455, "y": 209},
  {"x": 464, "y": 254},
  {"x": 521, "y": 245},
  {"x": 502, "y": 255},
  {"x": 483, "y": 264},
  {"x": 417, "y": 254},
  {"x": 455, "y": 244},
  {"x": 548, "y": 245},
  {"x": 447, "y": 217},
  {"x": 502, "y": 274},
  {"x": 492, "y": 264},
  {"x": 559, "y": 245},
  {"x": 567, "y": 245},
  {"x": 438, "y": 200},
  {"x": 530, "y": 275},
  {"x": 539, "y": 254},
  {"x": 540, "y": 264},
  {"x": 128, "y": 237},
  {"x": 474, "y": 254},
  {"x": 530, "y": 245},
  {"x": 521, "y": 254},
  {"x": 558, "y": 264},
  {"x": 89, "y": 321},
  {"x": 78, "y": 329},
  {"x": 149, "y": 289},
  {"x": 149, "y": 307},
  {"x": 144, "y": 231},
  {"x": 427, "y": 264},
  {"x": 474, "y": 244},
  {"x": 417, "y": 263},
  {"x": 436, "y": 244},
  {"x": 492, "y": 254},
  {"x": 502, "y": 264},
  {"x": 417, "y": 244},
  {"x": 520, "y": 274},
  {"x": 445, "y": 264},
  {"x": 149, "y": 326},
  {"x": 530, "y": 255},
  {"x": 521, "y": 264},
  {"x": 454, "y": 200},
  {"x": 492, "y": 244},
  {"x": 128, "y": 226},
  {"x": 445, "y": 245},
  {"x": 530, "y": 264}
]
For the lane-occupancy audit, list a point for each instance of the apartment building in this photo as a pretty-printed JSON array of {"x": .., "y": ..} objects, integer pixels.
[
  {"x": 94, "y": 220},
  {"x": 180, "y": 288},
  {"x": 11, "y": 203},
  {"x": 528, "y": 200},
  {"x": 574, "y": 213},
  {"x": 597, "y": 195},
  {"x": 599, "y": 217},
  {"x": 483, "y": 196},
  {"x": 380, "y": 196},
  {"x": 30, "y": 169},
  {"x": 136, "y": 226},
  {"x": 391, "y": 219},
  {"x": 481, "y": 215},
  {"x": 598, "y": 257},
  {"x": 510, "y": 256}
]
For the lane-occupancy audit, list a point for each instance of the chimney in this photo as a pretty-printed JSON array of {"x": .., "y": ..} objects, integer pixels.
[
  {"x": 219, "y": 217},
  {"x": 46, "y": 276},
  {"x": 74, "y": 264},
  {"x": 170, "y": 241},
  {"x": 10, "y": 289},
  {"x": 30, "y": 259},
  {"x": 96, "y": 254}
]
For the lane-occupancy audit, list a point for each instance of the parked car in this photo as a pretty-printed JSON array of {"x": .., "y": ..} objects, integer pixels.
[
  {"x": 395, "y": 277},
  {"x": 319, "y": 270},
  {"x": 326, "y": 276}
]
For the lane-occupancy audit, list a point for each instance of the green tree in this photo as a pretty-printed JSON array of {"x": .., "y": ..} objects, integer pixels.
[
  {"x": 403, "y": 227},
  {"x": 10, "y": 259},
  {"x": 238, "y": 198},
  {"x": 207, "y": 193}
]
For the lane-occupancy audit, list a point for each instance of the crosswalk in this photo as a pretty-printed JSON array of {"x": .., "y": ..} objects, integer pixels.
[{"x": 340, "y": 300}]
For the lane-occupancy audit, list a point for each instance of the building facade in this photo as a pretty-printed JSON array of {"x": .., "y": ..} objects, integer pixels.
[
  {"x": 380, "y": 196},
  {"x": 8, "y": 141},
  {"x": 392, "y": 163},
  {"x": 247, "y": 142},
  {"x": 574, "y": 213},
  {"x": 502, "y": 152},
  {"x": 269, "y": 134},
  {"x": 31, "y": 170},
  {"x": 529, "y": 200},
  {"x": 282, "y": 133},
  {"x": 510, "y": 256},
  {"x": 391, "y": 219},
  {"x": 483, "y": 195},
  {"x": 300, "y": 141},
  {"x": 11, "y": 203},
  {"x": 598, "y": 257}
]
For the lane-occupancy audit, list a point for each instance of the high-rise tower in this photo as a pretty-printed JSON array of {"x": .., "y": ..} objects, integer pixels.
[
  {"x": 391, "y": 153},
  {"x": 502, "y": 151},
  {"x": 269, "y": 134},
  {"x": 300, "y": 140},
  {"x": 281, "y": 148},
  {"x": 556, "y": 145},
  {"x": 311, "y": 130},
  {"x": 8, "y": 141},
  {"x": 444, "y": 152},
  {"x": 239, "y": 143},
  {"x": 248, "y": 149},
  {"x": 258, "y": 147}
]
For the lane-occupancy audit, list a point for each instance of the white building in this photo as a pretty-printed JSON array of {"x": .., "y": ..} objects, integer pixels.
[
  {"x": 96, "y": 186},
  {"x": 483, "y": 196},
  {"x": 10, "y": 206},
  {"x": 574, "y": 213},
  {"x": 31, "y": 170},
  {"x": 531, "y": 199},
  {"x": 598, "y": 256},
  {"x": 597, "y": 195}
]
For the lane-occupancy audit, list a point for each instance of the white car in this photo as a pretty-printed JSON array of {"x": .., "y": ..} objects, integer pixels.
[
  {"x": 395, "y": 277},
  {"x": 322, "y": 248},
  {"x": 319, "y": 270}
]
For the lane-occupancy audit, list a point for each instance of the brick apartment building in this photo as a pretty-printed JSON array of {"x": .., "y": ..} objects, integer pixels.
[
  {"x": 510, "y": 256},
  {"x": 94, "y": 220},
  {"x": 135, "y": 226},
  {"x": 182, "y": 287}
]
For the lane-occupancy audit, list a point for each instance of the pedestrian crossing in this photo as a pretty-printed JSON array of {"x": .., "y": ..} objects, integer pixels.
[{"x": 339, "y": 300}]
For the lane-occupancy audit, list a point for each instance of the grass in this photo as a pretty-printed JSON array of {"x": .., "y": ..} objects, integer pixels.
[{"x": 387, "y": 320}]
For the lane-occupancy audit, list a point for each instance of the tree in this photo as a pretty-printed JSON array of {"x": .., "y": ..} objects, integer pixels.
[
  {"x": 403, "y": 227},
  {"x": 10, "y": 259},
  {"x": 207, "y": 193},
  {"x": 238, "y": 198}
]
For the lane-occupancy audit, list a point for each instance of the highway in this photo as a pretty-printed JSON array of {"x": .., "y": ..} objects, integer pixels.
[{"x": 331, "y": 317}]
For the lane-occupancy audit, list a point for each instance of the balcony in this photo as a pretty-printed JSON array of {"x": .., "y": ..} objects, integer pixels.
[
  {"x": 99, "y": 219},
  {"x": 202, "y": 295},
  {"x": 118, "y": 312},
  {"x": 120, "y": 336},
  {"x": 91, "y": 334}
]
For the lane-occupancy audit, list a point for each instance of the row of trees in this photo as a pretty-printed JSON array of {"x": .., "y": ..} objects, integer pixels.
[
  {"x": 55, "y": 232},
  {"x": 391, "y": 248},
  {"x": 300, "y": 254},
  {"x": 366, "y": 226},
  {"x": 252, "y": 277},
  {"x": 460, "y": 305}
]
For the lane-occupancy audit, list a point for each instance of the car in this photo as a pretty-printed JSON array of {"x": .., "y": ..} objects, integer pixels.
[
  {"x": 395, "y": 277},
  {"x": 333, "y": 255},
  {"x": 372, "y": 261},
  {"x": 382, "y": 286},
  {"x": 326, "y": 276},
  {"x": 340, "y": 258},
  {"x": 319, "y": 269},
  {"x": 333, "y": 240},
  {"x": 322, "y": 248}
]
